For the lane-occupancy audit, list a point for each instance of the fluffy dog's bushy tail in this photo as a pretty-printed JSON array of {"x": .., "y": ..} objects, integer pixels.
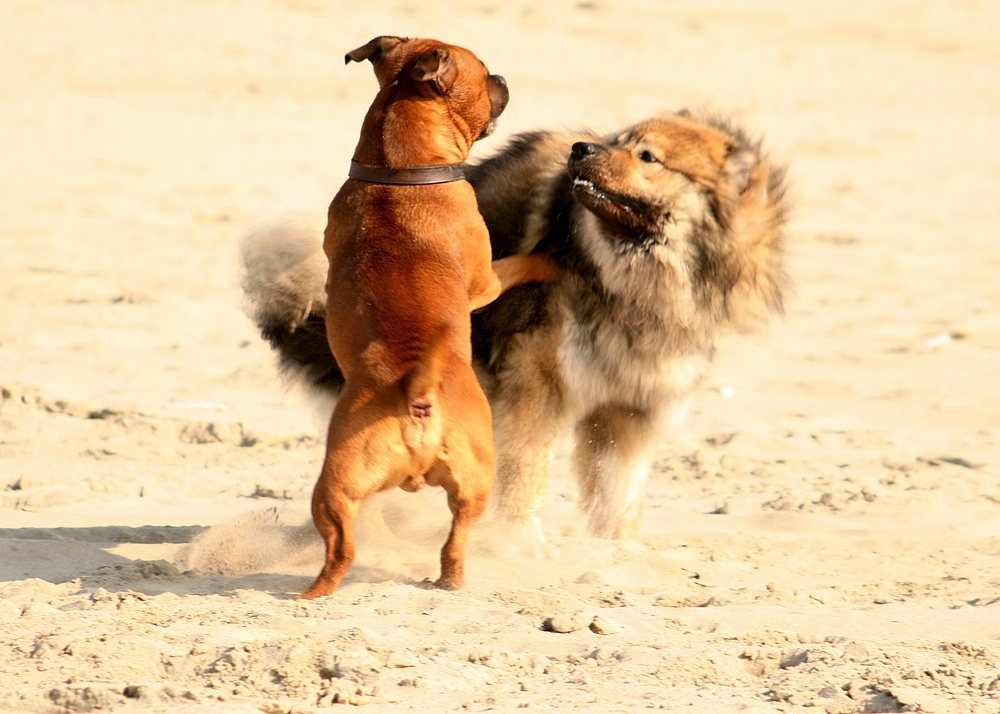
[{"x": 284, "y": 278}]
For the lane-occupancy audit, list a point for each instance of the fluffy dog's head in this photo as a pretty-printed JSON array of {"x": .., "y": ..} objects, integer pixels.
[
  {"x": 690, "y": 204},
  {"x": 438, "y": 72}
]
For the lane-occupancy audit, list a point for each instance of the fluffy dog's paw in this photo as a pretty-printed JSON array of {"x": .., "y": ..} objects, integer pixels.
[{"x": 529, "y": 540}]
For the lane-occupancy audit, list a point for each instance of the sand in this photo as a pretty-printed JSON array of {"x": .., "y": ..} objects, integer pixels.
[{"x": 822, "y": 535}]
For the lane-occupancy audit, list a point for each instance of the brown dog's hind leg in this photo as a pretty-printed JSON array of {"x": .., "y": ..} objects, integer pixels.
[
  {"x": 466, "y": 512},
  {"x": 333, "y": 514},
  {"x": 468, "y": 470}
]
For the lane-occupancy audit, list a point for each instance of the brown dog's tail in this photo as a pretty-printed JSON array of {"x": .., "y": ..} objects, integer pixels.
[
  {"x": 420, "y": 386},
  {"x": 422, "y": 431},
  {"x": 284, "y": 278}
]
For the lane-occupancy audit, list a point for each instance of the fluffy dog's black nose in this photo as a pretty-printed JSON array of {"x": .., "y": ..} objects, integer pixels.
[{"x": 581, "y": 149}]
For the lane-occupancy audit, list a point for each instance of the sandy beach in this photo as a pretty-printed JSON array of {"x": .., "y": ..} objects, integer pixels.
[{"x": 821, "y": 535}]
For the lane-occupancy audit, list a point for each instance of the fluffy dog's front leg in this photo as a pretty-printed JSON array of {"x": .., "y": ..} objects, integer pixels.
[
  {"x": 526, "y": 419},
  {"x": 611, "y": 465},
  {"x": 523, "y": 454}
]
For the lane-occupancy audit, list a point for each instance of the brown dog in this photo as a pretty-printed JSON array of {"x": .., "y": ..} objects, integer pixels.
[{"x": 409, "y": 258}]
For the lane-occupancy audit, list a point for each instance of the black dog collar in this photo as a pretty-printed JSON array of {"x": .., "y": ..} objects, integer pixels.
[{"x": 414, "y": 176}]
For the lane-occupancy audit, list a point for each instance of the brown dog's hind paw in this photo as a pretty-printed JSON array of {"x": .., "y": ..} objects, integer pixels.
[
  {"x": 449, "y": 583},
  {"x": 316, "y": 590}
]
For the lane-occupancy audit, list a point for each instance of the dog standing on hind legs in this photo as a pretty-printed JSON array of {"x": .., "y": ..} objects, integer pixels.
[{"x": 409, "y": 259}]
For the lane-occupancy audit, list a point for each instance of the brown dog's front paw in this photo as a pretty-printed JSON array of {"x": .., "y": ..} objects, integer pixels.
[
  {"x": 520, "y": 269},
  {"x": 544, "y": 269}
]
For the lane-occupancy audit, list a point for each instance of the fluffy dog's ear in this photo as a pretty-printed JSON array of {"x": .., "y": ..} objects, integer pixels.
[
  {"x": 736, "y": 170},
  {"x": 437, "y": 68},
  {"x": 374, "y": 50},
  {"x": 741, "y": 182}
]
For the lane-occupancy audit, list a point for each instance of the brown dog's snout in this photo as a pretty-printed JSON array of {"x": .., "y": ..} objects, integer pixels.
[
  {"x": 582, "y": 149},
  {"x": 499, "y": 95},
  {"x": 496, "y": 89}
]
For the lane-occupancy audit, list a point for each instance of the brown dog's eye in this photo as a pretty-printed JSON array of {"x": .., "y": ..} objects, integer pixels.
[{"x": 648, "y": 157}]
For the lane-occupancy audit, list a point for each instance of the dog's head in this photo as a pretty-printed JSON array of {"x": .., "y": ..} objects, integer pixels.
[
  {"x": 696, "y": 197},
  {"x": 670, "y": 170},
  {"x": 439, "y": 72}
]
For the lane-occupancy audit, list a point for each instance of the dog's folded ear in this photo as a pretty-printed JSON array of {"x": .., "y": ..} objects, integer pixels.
[
  {"x": 374, "y": 50},
  {"x": 436, "y": 67},
  {"x": 741, "y": 182},
  {"x": 736, "y": 170}
]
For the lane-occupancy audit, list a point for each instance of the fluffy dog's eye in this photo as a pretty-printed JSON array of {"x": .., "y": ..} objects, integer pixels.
[{"x": 648, "y": 157}]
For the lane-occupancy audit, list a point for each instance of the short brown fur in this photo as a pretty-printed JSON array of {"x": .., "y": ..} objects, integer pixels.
[{"x": 407, "y": 264}]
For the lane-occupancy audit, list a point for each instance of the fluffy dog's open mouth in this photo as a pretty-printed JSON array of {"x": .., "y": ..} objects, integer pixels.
[
  {"x": 583, "y": 185},
  {"x": 630, "y": 220}
]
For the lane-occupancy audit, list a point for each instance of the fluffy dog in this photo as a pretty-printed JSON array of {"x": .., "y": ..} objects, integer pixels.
[{"x": 669, "y": 234}]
